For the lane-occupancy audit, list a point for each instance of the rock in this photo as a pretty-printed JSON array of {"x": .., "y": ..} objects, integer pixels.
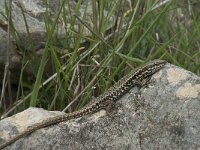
[
  {"x": 165, "y": 115},
  {"x": 35, "y": 12}
]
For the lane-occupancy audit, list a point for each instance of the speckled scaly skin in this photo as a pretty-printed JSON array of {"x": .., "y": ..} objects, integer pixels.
[{"x": 104, "y": 101}]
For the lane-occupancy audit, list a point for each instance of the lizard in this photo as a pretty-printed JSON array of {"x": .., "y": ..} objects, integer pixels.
[{"x": 106, "y": 101}]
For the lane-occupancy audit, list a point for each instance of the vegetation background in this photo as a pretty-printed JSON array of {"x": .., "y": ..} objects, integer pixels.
[{"x": 140, "y": 31}]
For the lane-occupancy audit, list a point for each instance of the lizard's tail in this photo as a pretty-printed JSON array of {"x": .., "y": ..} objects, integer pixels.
[{"x": 45, "y": 123}]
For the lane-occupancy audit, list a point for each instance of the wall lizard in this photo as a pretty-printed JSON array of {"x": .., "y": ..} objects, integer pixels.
[{"x": 105, "y": 101}]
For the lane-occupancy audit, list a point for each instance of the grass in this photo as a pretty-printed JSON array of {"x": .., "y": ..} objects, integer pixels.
[{"x": 120, "y": 40}]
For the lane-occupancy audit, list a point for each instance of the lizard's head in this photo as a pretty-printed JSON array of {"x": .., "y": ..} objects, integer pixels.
[{"x": 149, "y": 69}]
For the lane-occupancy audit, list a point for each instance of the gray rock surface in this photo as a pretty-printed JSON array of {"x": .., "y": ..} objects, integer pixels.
[{"x": 166, "y": 115}]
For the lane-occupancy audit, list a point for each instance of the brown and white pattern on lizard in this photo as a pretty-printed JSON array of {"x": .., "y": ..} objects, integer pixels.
[{"x": 105, "y": 101}]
